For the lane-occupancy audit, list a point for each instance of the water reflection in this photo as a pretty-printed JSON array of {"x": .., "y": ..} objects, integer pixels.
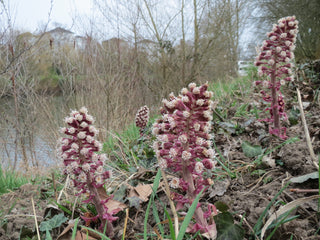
[{"x": 29, "y": 138}]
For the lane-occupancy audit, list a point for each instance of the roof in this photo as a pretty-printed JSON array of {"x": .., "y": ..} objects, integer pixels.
[{"x": 60, "y": 30}]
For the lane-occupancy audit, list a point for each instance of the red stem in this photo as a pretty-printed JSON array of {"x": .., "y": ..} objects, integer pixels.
[
  {"x": 187, "y": 177},
  {"x": 274, "y": 106},
  {"x": 100, "y": 209}
]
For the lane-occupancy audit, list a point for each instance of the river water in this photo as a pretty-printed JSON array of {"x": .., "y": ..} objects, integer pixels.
[{"x": 31, "y": 140}]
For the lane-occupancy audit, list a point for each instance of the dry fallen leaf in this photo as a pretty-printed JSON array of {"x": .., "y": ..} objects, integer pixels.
[
  {"x": 113, "y": 206},
  {"x": 219, "y": 188},
  {"x": 142, "y": 191},
  {"x": 66, "y": 235},
  {"x": 268, "y": 161},
  {"x": 82, "y": 235}
]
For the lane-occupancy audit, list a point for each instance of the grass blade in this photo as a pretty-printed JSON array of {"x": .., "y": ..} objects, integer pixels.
[
  {"x": 74, "y": 231},
  {"x": 151, "y": 200},
  {"x": 189, "y": 216},
  {"x": 257, "y": 227},
  {"x": 99, "y": 233},
  {"x": 171, "y": 227}
]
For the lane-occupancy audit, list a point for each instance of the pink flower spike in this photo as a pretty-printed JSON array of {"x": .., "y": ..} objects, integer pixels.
[
  {"x": 142, "y": 118},
  {"x": 185, "y": 146},
  {"x": 84, "y": 165},
  {"x": 274, "y": 61}
]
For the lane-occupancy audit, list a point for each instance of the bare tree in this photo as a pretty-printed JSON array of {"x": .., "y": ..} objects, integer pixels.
[
  {"x": 12, "y": 71},
  {"x": 220, "y": 34}
]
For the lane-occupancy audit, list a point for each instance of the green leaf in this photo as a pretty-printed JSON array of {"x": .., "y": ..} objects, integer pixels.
[
  {"x": 304, "y": 178},
  {"x": 171, "y": 227},
  {"x": 52, "y": 223},
  {"x": 103, "y": 237},
  {"x": 154, "y": 190},
  {"x": 251, "y": 150},
  {"x": 48, "y": 235},
  {"x": 134, "y": 202},
  {"x": 63, "y": 208},
  {"x": 294, "y": 116},
  {"x": 221, "y": 206},
  {"x": 226, "y": 228},
  {"x": 26, "y": 232},
  {"x": 118, "y": 195}
]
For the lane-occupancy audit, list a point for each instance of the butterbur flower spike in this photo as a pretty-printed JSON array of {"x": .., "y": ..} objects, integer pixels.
[
  {"x": 275, "y": 64},
  {"x": 142, "y": 118},
  {"x": 184, "y": 146},
  {"x": 83, "y": 164}
]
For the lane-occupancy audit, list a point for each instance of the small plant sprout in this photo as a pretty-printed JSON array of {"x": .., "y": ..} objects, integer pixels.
[
  {"x": 183, "y": 146},
  {"x": 275, "y": 63},
  {"x": 84, "y": 165},
  {"x": 142, "y": 118}
]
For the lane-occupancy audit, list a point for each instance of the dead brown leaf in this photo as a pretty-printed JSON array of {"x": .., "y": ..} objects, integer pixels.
[
  {"x": 66, "y": 233},
  {"x": 142, "y": 191},
  {"x": 112, "y": 205},
  {"x": 84, "y": 235}
]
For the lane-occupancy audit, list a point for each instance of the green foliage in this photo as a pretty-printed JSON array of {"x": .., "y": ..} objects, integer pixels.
[
  {"x": 281, "y": 220},
  {"x": 226, "y": 228},
  {"x": 151, "y": 201},
  {"x": 258, "y": 172},
  {"x": 235, "y": 128},
  {"x": 25, "y": 233},
  {"x": 294, "y": 116},
  {"x": 11, "y": 180},
  {"x": 64, "y": 209},
  {"x": 129, "y": 135},
  {"x": 134, "y": 202},
  {"x": 258, "y": 227},
  {"x": 305, "y": 177},
  {"x": 130, "y": 150},
  {"x": 242, "y": 110},
  {"x": 118, "y": 147},
  {"x": 252, "y": 72},
  {"x": 221, "y": 206},
  {"x": 226, "y": 89},
  {"x": 52, "y": 223},
  {"x": 188, "y": 217},
  {"x": 251, "y": 150},
  {"x": 103, "y": 236},
  {"x": 267, "y": 152},
  {"x": 171, "y": 227},
  {"x": 224, "y": 163}
]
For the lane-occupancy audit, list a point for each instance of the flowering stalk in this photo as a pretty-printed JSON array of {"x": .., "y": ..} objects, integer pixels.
[
  {"x": 84, "y": 166},
  {"x": 142, "y": 118},
  {"x": 183, "y": 146},
  {"x": 274, "y": 63}
]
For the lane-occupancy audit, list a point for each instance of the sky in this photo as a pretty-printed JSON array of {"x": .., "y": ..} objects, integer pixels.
[
  {"x": 31, "y": 15},
  {"x": 73, "y": 15}
]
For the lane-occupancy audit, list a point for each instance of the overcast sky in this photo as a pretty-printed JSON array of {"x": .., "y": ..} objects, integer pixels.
[
  {"x": 74, "y": 15},
  {"x": 30, "y": 15}
]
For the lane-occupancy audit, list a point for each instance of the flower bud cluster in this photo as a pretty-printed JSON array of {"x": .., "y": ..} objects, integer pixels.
[
  {"x": 142, "y": 118},
  {"x": 82, "y": 162},
  {"x": 276, "y": 54},
  {"x": 275, "y": 63},
  {"x": 183, "y": 143}
]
